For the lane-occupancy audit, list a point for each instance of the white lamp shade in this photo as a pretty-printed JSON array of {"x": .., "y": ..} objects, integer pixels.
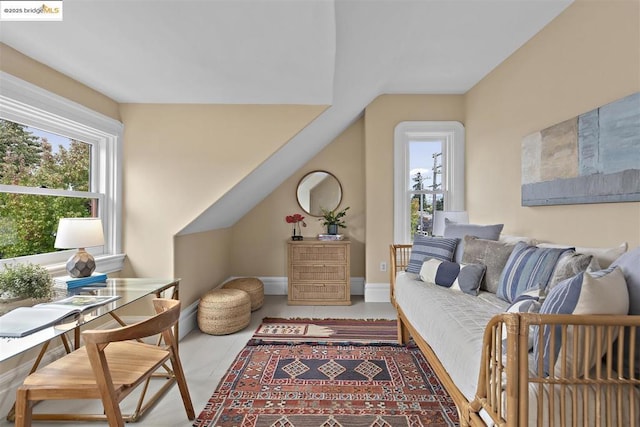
[
  {"x": 461, "y": 217},
  {"x": 79, "y": 233}
]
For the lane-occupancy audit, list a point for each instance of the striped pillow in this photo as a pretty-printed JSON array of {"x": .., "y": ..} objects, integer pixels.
[
  {"x": 527, "y": 267},
  {"x": 430, "y": 247},
  {"x": 527, "y": 302},
  {"x": 600, "y": 292}
]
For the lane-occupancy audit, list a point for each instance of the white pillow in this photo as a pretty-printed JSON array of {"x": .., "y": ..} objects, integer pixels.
[{"x": 604, "y": 256}]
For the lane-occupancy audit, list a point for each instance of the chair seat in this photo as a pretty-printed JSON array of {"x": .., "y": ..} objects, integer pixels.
[
  {"x": 129, "y": 362},
  {"x": 109, "y": 367}
]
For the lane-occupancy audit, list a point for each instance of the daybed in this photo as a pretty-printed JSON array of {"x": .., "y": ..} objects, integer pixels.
[{"x": 503, "y": 362}]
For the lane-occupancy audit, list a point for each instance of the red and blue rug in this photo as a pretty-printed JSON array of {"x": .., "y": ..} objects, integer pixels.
[
  {"x": 331, "y": 385},
  {"x": 326, "y": 331}
]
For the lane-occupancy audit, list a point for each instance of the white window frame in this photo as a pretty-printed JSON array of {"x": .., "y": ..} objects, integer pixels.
[
  {"x": 27, "y": 104},
  {"x": 452, "y": 135}
]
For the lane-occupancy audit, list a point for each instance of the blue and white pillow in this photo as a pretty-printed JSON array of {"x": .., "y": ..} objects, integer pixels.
[
  {"x": 527, "y": 267},
  {"x": 461, "y": 277},
  {"x": 430, "y": 247},
  {"x": 600, "y": 292},
  {"x": 527, "y": 302},
  {"x": 629, "y": 263}
]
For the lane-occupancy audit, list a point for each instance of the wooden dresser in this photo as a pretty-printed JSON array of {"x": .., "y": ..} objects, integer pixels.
[{"x": 319, "y": 272}]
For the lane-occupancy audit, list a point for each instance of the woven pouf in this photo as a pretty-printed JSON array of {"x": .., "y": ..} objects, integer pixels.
[
  {"x": 254, "y": 287},
  {"x": 224, "y": 311}
]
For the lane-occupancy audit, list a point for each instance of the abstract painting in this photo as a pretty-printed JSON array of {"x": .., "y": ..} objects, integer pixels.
[{"x": 592, "y": 158}]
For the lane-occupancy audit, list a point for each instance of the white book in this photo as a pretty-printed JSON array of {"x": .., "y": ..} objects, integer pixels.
[{"x": 27, "y": 320}]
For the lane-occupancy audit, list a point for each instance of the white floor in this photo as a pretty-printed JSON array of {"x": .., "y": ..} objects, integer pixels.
[{"x": 206, "y": 358}]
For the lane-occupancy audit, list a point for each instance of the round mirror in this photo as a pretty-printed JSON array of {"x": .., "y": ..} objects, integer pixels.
[{"x": 319, "y": 190}]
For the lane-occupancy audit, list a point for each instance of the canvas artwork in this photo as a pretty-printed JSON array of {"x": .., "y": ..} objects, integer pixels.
[{"x": 592, "y": 158}]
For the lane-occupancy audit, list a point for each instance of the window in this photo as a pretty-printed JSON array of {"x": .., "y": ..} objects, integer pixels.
[
  {"x": 429, "y": 175},
  {"x": 57, "y": 159}
]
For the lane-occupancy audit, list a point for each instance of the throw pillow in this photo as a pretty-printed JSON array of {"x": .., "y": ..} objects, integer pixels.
[
  {"x": 570, "y": 264},
  {"x": 454, "y": 229},
  {"x": 430, "y": 247},
  {"x": 605, "y": 256},
  {"x": 492, "y": 254},
  {"x": 600, "y": 292},
  {"x": 527, "y": 302},
  {"x": 461, "y": 277},
  {"x": 629, "y": 263},
  {"x": 526, "y": 268}
]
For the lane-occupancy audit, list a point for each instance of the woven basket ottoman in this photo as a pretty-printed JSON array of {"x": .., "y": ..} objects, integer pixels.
[
  {"x": 224, "y": 311},
  {"x": 251, "y": 285}
]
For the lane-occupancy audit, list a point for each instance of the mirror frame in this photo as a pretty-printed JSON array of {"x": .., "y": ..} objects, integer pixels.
[{"x": 307, "y": 175}]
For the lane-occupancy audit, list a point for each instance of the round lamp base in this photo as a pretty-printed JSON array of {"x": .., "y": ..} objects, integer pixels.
[{"x": 81, "y": 264}]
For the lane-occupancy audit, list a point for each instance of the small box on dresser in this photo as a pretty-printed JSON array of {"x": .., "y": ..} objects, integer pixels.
[{"x": 319, "y": 272}]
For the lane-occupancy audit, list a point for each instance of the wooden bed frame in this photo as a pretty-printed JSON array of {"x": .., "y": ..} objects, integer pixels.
[{"x": 508, "y": 405}]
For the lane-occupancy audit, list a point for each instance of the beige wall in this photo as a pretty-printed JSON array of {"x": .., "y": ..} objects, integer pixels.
[
  {"x": 585, "y": 58},
  {"x": 202, "y": 261},
  {"x": 259, "y": 238},
  {"x": 381, "y": 118},
  {"x": 25, "y": 68},
  {"x": 179, "y": 159}
]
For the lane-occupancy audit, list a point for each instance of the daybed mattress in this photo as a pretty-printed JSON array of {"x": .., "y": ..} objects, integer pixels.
[
  {"x": 453, "y": 325},
  {"x": 451, "y": 322}
]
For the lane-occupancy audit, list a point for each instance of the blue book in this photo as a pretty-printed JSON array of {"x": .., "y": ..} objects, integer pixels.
[{"x": 78, "y": 282}]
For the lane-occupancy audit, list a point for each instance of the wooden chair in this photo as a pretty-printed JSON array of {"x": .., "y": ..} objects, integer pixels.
[{"x": 111, "y": 364}]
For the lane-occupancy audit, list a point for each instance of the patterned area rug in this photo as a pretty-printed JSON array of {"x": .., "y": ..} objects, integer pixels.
[
  {"x": 319, "y": 331},
  {"x": 329, "y": 385}
]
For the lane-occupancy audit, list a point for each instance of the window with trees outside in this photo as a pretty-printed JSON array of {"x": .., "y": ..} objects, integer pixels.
[
  {"x": 429, "y": 175},
  {"x": 57, "y": 160}
]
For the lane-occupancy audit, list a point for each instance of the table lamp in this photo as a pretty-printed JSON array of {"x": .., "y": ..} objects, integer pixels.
[
  {"x": 79, "y": 233},
  {"x": 461, "y": 217}
]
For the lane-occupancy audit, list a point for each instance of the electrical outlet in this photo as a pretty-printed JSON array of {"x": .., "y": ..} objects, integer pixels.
[{"x": 383, "y": 266}]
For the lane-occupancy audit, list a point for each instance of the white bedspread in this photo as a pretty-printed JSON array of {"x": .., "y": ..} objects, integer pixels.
[{"x": 451, "y": 322}]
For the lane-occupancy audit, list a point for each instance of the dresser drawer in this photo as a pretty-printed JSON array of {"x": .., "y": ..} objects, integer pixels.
[
  {"x": 319, "y": 272},
  {"x": 318, "y": 291},
  {"x": 319, "y": 253}
]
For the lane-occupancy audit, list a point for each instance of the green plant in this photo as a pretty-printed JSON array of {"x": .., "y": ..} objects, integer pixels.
[
  {"x": 26, "y": 281},
  {"x": 333, "y": 217}
]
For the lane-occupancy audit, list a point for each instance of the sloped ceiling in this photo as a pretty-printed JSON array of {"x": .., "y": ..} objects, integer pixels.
[{"x": 342, "y": 53}]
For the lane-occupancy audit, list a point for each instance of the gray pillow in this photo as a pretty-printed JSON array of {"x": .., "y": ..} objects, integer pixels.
[
  {"x": 629, "y": 263},
  {"x": 456, "y": 230},
  {"x": 570, "y": 264},
  {"x": 492, "y": 254}
]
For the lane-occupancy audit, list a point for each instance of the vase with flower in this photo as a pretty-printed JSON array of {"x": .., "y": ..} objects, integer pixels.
[{"x": 296, "y": 220}]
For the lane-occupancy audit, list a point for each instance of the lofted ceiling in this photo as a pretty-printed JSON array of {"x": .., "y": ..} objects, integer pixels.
[{"x": 341, "y": 53}]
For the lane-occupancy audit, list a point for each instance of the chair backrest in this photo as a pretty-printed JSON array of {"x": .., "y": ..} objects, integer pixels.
[{"x": 168, "y": 313}]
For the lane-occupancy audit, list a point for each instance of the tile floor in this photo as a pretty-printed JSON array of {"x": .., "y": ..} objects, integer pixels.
[{"x": 206, "y": 358}]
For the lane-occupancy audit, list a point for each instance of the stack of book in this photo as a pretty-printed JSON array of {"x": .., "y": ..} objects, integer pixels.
[
  {"x": 68, "y": 282},
  {"x": 330, "y": 236}
]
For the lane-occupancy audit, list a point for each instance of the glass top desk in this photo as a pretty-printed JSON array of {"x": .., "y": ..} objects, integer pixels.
[{"x": 128, "y": 290}]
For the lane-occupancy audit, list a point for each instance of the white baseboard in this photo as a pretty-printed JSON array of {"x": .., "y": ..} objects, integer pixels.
[
  {"x": 376, "y": 292},
  {"x": 188, "y": 320},
  {"x": 275, "y": 285}
]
